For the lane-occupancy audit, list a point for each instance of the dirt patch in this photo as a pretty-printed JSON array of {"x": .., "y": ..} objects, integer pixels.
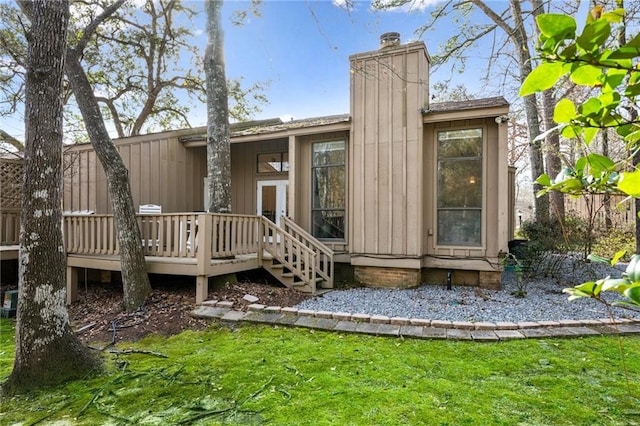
[{"x": 166, "y": 312}]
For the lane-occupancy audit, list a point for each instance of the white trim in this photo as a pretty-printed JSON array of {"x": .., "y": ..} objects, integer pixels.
[{"x": 281, "y": 197}]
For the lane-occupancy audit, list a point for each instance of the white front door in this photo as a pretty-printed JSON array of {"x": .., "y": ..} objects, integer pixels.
[{"x": 272, "y": 199}]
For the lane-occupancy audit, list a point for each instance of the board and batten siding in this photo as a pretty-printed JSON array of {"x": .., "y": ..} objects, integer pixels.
[
  {"x": 388, "y": 91},
  {"x": 244, "y": 172},
  {"x": 161, "y": 171}
]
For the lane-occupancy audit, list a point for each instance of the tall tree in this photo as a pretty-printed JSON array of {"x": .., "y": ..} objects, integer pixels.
[
  {"x": 47, "y": 351},
  {"x": 135, "y": 280},
  {"x": 218, "y": 143},
  {"x": 552, "y": 157},
  {"x": 517, "y": 33},
  {"x": 140, "y": 62},
  {"x": 143, "y": 64}
]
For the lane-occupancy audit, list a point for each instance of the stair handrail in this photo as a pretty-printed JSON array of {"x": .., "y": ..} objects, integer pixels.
[
  {"x": 324, "y": 260},
  {"x": 306, "y": 270}
]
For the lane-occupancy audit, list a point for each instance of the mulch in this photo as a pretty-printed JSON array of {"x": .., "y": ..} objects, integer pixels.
[{"x": 97, "y": 316}]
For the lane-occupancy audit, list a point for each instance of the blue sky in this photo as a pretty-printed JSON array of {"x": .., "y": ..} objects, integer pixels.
[{"x": 303, "y": 47}]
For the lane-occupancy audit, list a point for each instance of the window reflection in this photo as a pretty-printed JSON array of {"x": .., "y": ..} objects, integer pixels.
[
  {"x": 459, "y": 191},
  {"x": 328, "y": 190}
]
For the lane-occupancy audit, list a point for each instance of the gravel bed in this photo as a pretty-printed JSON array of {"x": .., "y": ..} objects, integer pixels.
[{"x": 544, "y": 300}]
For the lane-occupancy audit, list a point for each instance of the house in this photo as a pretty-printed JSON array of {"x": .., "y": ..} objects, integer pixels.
[
  {"x": 400, "y": 191},
  {"x": 11, "y": 166}
]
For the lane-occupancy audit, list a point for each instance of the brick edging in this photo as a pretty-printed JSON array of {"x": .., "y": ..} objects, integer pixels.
[{"x": 415, "y": 327}]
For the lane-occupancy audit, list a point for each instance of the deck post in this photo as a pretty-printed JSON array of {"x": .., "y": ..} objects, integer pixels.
[
  {"x": 203, "y": 250},
  {"x": 72, "y": 284},
  {"x": 203, "y": 254},
  {"x": 261, "y": 234},
  {"x": 202, "y": 288}
]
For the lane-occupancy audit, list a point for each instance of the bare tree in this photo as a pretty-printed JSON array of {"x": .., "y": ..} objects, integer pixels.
[
  {"x": 218, "y": 144},
  {"x": 47, "y": 351},
  {"x": 141, "y": 63}
]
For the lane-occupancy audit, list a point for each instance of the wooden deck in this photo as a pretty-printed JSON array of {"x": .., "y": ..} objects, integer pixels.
[
  {"x": 9, "y": 252},
  {"x": 201, "y": 245}
]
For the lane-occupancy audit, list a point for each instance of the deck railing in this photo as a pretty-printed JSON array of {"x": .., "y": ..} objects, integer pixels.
[
  {"x": 9, "y": 227},
  {"x": 289, "y": 251},
  {"x": 203, "y": 237},
  {"x": 324, "y": 255},
  {"x": 90, "y": 234},
  {"x": 167, "y": 235}
]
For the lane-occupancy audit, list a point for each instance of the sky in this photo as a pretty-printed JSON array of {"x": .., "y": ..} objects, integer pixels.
[{"x": 302, "y": 48}]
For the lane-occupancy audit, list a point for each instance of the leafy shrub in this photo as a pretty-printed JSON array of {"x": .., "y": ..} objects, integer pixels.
[
  {"x": 608, "y": 243},
  {"x": 573, "y": 235},
  {"x": 542, "y": 236}
]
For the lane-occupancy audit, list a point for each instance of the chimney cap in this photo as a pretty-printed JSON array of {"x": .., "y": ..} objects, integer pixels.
[{"x": 389, "y": 39}]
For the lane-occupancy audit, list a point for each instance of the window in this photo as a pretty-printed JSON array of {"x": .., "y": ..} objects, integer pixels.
[
  {"x": 328, "y": 190},
  {"x": 276, "y": 162},
  {"x": 459, "y": 198}
]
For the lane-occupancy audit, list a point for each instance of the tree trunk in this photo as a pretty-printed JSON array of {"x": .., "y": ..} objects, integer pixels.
[
  {"x": 218, "y": 144},
  {"x": 519, "y": 37},
  {"x": 47, "y": 351},
  {"x": 552, "y": 155},
  {"x": 135, "y": 280},
  {"x": 606, "y": 198}
]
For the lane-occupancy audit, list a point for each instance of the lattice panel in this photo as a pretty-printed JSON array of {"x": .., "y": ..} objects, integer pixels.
[{"x": 10, "y": 184}]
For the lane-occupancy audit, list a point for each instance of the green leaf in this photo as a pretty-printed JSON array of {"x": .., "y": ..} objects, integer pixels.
[
  {"x": 589, "y": 134},
  {"x": 565, "y": 111},
  {"x": 570, "y": 132},
  {"x": 629, "y": 183},
  {"x": 591, "y": 107},
  {"x": 614, "y": 78},
  {"x": 598, "y": 259},
  {"x": 600, "y": 163},
  {"x": 587, "y": 75},
  {"x": 609, "y": 100},
  {"x": 633, "y": 293},
  {"x": 542, "y": 78},
  {"x": 556, "y": 26},
  {"x": 634, "y": 42},
  {"x": 581, "y": 163},
  {"x": 615, "y": 16},
  {"x": 632, "y": 90},
  {"x": 544, "y": 180},
  {"x": 625, "y": 52},
  {"x": 618, "y": 284},
  {"x": 594, "y": 35},
  {"x": 575, "y": 294},
  {"x": 618, "y": 256},
  {"x": 587, "y": 288}
]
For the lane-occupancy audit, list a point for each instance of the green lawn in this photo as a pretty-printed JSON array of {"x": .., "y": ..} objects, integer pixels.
[{"x": 287, "y": 376}]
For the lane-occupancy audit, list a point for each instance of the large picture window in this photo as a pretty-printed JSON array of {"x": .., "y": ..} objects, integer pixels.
[
  {"x": 328, "y": 190},
  {"x": 460, "y": 187}
]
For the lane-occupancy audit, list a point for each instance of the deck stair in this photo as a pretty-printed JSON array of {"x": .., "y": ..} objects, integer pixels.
[{"x": 299, "y": 261}]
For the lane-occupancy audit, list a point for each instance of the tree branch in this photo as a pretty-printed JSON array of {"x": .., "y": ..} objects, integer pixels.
[
  {"x": 93, "y": 25},
  {"x": 499, "y": 20},
  {"x": 7, "y": 138}
]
